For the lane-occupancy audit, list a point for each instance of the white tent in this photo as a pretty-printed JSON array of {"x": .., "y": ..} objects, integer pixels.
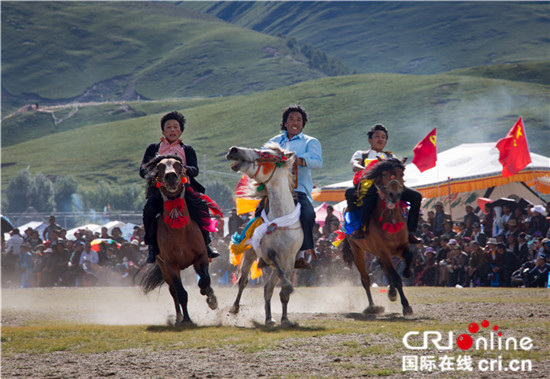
[{"x": 467, "y": 171}]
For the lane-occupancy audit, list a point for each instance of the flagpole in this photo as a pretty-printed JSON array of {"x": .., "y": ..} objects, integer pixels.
[{"x": 449, "y": 196}]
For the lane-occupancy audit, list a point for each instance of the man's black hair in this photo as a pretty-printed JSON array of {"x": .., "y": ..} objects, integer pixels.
[
  {"x": 376, "y": 127},
  {"x": 175, "y": 115},
  {"x": 294, "y": 108}
]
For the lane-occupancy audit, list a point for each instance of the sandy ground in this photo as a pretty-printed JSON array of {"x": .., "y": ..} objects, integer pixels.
[{"x": 300, "y": 357}]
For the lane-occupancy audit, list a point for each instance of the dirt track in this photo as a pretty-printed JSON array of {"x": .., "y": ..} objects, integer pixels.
[{"x": 299, "y": 357}]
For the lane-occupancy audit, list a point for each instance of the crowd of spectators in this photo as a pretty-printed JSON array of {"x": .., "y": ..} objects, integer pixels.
[
  {"x": 51, "y": 260},
  {"x": 509, "y": 246}
]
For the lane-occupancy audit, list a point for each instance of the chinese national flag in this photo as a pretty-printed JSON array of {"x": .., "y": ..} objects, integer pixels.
[
  {"x": 425, "y": 152},
  {"x": 514, "y": 151}
]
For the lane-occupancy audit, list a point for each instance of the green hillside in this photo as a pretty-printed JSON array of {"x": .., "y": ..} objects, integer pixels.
[
  {"x": 60, "y": 52},
  {"x": 402, "y": 37},
  {"x": 341, "y": 109}
]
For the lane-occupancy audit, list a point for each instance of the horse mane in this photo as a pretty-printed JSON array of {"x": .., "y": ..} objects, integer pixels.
[
  {"x": 151, "y": 170},
  {"x": 384, "y": 165},
  {"x": 252, "y": 190}
]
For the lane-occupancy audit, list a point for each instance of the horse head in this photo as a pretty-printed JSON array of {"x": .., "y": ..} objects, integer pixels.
[
  {"x": 168, "y": 174},
  {"x": 388, "y": 178},
  {"x": 260, "y": 165}
]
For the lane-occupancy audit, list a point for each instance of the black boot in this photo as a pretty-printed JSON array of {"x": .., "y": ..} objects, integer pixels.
[
  {"x": 153, "y": 252},
  {"x": 211, "y": 252}
]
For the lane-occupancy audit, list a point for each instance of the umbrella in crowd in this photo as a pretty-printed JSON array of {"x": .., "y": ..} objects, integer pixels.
[
  {"x": 98, "y": 241},
  {"x": 7, "y": 225},
  {"x": 501, "y": 202}
]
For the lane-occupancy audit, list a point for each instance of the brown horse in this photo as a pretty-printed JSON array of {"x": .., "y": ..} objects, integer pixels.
[
  {"x": 388, "y": 234},
  {"x": 181, "y": 243}
]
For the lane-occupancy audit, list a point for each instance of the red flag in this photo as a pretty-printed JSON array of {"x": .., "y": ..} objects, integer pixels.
[
  {"x": 514, "y": 151},
  {"x": 425, "y": 152}
]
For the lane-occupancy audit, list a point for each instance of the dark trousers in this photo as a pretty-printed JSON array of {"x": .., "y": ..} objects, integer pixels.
[
  {"x": 307, "y": 218},
  {"x": 411, "y": 196}
]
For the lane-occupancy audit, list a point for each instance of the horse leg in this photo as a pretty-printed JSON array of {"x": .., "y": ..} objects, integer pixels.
[
  {"x": 172, "y": 290},
  {"x": 361, "y": 264},
  {"x": 396, "y": 283},
  {"x": 205, "y": 285},
  {"x": 268, "y": 293},
  {"x": 286, "y": 286},
  {"x": 180, "y": 296},
  {"x": 248, "y": 261}
]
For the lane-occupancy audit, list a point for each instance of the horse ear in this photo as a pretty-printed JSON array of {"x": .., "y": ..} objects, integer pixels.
[
  {"x": 380, "y": 159},
  {"x": 404, "y": 160}
]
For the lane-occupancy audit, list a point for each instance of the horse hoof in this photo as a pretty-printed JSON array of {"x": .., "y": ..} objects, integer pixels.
[
  {"x": 234, "y": 309},
  {"x": 185, "y": 323},
  {"x": 374, "y": 310},
  {"x": 270, "y": 322},
  {"x": 392, "y": 294},
  {"x": 212, "y": 301},
  {"x": 407, "y": 311},
  {"x": 286, "y": 323}
]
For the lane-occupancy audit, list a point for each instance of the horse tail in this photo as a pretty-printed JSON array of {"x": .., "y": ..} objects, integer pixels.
[
  {"x": 347, "y": 254},
  {"x": 408, "y": 257},
  {"x": 151, "y": 279}
]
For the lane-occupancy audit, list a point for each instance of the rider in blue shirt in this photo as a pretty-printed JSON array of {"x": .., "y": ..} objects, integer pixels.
[{"x": 308, "y": 156}]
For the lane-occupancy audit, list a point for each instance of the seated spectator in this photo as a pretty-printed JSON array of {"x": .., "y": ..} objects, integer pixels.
[
  {"x": 448, "y": 229},
  {"x": 116, "y": 234},
  {"x": 494, "y": 261},
  {"x": 478, "y": 235},
  {"x": 428, "y": 275},
  {"x": 427, "y": 234},
  {"x": 469, "y": 219},
  {"x": 443, "y": 258},
  {"x": 457, "y": 266},
  {"x": 519, "y": 277},
  {"x": 474, "y": 268},
  {"x": 104, "y": 233},
  {"x": 538, "y": 276}
]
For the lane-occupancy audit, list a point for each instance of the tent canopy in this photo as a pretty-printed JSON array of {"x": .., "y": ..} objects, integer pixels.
[
  {"x": 474, "y": 166},
  {"x": 464, "y": 168}
]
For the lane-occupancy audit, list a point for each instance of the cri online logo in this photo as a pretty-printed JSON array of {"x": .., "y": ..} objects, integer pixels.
[{"x": 495, "y": 341}]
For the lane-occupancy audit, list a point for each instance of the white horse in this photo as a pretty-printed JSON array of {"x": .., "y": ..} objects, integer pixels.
[{"x": 271, "y": 171}]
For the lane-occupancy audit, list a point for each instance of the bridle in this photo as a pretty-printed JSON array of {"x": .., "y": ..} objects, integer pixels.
[
  {"x": 383, "y": 190},
  {"x": 267, "y": 161}
]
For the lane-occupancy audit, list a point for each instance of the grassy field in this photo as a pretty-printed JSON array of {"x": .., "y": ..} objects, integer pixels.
[{"x": 93, "y": 323}]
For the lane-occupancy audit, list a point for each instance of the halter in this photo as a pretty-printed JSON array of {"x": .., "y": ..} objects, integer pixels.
[
  {"x": 383, "y": 190},
  {"x": 263, "y": 161}
]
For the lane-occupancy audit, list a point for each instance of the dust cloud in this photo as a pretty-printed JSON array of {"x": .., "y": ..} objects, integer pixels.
[{"x": 129, "y": 306}]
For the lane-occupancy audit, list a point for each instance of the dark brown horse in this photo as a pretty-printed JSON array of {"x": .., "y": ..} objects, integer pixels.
[
  {"x": 388, "y": 234},
  {"x": 180, "y": 241}
]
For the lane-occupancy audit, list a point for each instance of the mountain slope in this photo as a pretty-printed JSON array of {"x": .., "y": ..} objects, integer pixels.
[
  {"x": 59, "y": 52},
  {"x": 402, "y": 37},
  {"x": 465, "y": 109}
]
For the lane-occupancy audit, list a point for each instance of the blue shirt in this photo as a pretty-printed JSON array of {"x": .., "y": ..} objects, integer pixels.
[{"x": 307, "y": 148}]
